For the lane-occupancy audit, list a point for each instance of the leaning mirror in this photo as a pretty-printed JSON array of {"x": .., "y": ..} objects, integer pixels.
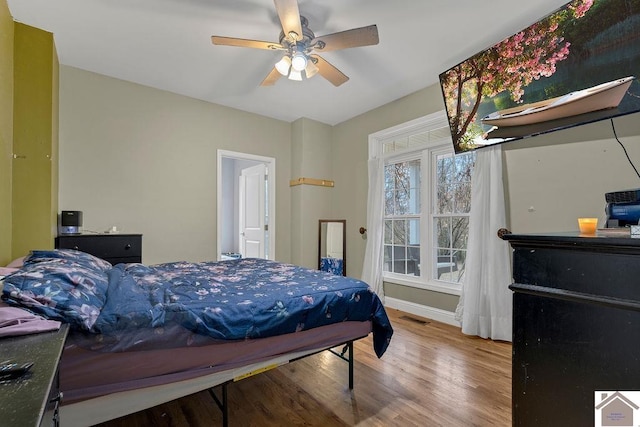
[{"x": 332, "y": 246}]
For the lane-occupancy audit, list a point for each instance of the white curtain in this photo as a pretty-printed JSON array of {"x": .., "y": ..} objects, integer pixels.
[
  {"x": 372, "y": 266},
  {"x": 485, "y": 306}
]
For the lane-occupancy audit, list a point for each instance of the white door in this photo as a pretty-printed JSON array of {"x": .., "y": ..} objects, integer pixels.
[{"x": 252, "y": 211}]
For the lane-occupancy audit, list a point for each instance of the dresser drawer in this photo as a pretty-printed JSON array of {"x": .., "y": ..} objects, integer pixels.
[{"x": 115, "y": 248}]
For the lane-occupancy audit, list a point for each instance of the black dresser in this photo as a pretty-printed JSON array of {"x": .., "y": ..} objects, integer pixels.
[
  {"x": 576, "y": 325},
  {"x": 115, "y": 248}
]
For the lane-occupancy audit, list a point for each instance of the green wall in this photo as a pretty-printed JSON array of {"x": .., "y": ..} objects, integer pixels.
[
  {"x": 6, "y": 129},
  {"x": 28, "y": 138},
  {"x": 35, "y": 140}
]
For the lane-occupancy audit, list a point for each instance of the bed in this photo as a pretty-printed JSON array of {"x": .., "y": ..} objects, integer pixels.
[{"x": 143, "y": 335}]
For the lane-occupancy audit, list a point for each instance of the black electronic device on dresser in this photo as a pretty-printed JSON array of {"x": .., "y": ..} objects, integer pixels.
[{"x": 115, "y": 248}]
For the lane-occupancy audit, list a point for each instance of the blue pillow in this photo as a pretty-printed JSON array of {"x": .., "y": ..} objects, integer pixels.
[
  {"x": 59, "y": 289},
  {"x": 83, "y": 258}
]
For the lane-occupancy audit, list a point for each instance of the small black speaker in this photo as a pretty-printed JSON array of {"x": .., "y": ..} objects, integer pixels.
[
  {"x": 71, "y": 218},
  {"x": 70, "y": 222}
]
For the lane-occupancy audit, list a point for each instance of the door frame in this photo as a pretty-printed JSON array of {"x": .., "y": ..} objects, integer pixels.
[{"x": 270, "y": 163}]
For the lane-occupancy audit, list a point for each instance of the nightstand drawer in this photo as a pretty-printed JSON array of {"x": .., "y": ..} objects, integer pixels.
[{"x": 115, "y": 248}]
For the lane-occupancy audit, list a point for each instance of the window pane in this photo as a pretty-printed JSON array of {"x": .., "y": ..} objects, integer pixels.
[
  {"x": 401, "y": 172},
  {"x": 402, "y": 188},
  {"x": 413, "y": 231},
  {"x": 387, "y": 147},
  {"x": 459, "y": 232},
  {"x": 443, "y": 232},
  {"x": 402, "y": 201},
  {"x": 414, "y": 201},
  {"x": 387, "y": 258},
  {"x": 445, "y": 265},
  {"x": 464, "y": 166},
  {"x": 399, "y": 232},
  {"x": 388, "y": 235},
  {"x": 389, "y": 202},
  {"x": 444, "y": 199},
  {"x": 460, "y": 257},
  {"x": 399, "y": 259},
  {"x": 401, "y": 143},
  {"x": 415, "y": 179},
  {"x": 389, "y": 177},
  {"x": 445, "y": 168},
  {"x": 462, "y": 202},
  {"x": 389, "y": 190},
  {"x": 459, "y": 260},
  {"x": 413, "y": 261}
]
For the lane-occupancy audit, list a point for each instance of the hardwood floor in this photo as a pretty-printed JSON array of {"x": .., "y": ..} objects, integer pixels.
[{"x": 431, "y": 375}]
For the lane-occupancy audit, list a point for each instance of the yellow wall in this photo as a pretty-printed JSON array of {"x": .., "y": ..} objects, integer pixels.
[
  {"x": 6, "y": 129},
  {"x": 35, "y": 140}
]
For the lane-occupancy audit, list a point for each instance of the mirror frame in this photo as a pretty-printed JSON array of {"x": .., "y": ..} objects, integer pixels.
[{"x": 344, "y": 242}]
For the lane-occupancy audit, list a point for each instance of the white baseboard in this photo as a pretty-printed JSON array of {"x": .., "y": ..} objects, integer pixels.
[{"x": 433, "y": 313}]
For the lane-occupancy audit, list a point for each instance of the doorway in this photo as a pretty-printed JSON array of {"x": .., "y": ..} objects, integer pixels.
[{"x": 245, "y": 205}]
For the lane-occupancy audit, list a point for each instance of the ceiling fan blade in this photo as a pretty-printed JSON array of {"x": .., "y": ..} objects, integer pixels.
[
  {"x": 271, "y": 78},
  {"x": 256, "y": 44},
  {"x": 289, "y": 15},
  {"x": 365, "y": 36},
  {"x": 329, "y": 72}
]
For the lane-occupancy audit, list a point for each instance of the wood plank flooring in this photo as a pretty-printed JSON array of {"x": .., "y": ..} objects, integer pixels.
[{"x": 431, "y": 375}]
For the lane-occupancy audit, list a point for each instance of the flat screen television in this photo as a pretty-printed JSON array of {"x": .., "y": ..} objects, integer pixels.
[{"x": 577, "y": 65}]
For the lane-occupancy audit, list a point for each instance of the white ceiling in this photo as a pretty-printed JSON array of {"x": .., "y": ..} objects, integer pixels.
[{"x": 166, "y": 44}]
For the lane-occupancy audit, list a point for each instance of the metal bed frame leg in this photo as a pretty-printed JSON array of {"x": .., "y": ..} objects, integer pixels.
[
  {"x": 350, "y": 345},
  {"x": 222, "y": 404}
]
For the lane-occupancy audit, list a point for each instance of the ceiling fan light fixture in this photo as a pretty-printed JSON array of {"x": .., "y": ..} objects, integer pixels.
[
  {"x": 311, "y": 69},
  {"x": 299, "y": 61},
  {"x": 283, "y": 65},
  {"x": 295, "y": 75}
]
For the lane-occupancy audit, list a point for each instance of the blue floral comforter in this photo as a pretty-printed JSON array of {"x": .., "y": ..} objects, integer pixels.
[{"x": 229, "y": 300}]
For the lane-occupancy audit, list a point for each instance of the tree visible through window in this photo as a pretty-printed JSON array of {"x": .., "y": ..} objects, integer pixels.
[
  {"x": 402, "y": 218},
  {"x": 452, "y": 205}
]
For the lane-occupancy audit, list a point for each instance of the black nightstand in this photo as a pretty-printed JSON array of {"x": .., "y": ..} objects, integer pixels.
[
  {"x": 115, "y": 248},
  {"x": 34, "y": 399}
]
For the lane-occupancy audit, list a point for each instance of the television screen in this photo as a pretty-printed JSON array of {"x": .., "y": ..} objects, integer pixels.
[{"x": 577, "y": 65}]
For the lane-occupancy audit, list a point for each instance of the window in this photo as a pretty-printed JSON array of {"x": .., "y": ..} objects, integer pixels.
[
  {"x": 427, "y": 199},
  {"x": 451, "y": 206},
  {"x": 402, "y": 217}
]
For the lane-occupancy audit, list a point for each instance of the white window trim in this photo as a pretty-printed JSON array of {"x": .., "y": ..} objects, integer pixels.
[{"x": 432, "y": 121}]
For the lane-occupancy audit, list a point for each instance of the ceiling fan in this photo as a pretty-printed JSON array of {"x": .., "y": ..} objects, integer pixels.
[{"x": 301, "y": 46}]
